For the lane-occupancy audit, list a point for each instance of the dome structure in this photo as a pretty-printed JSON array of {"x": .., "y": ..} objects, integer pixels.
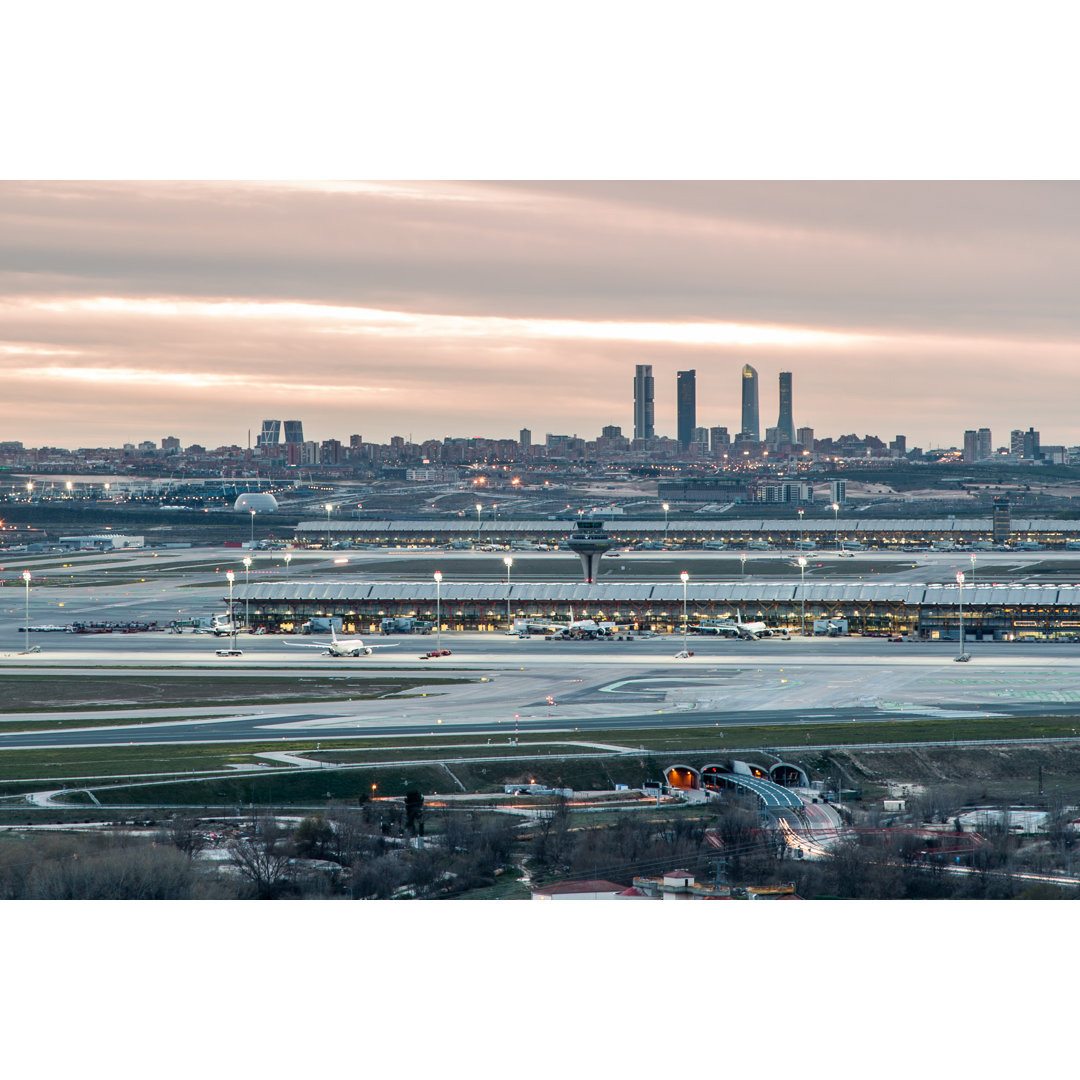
[{"x": 262, "y": 502}]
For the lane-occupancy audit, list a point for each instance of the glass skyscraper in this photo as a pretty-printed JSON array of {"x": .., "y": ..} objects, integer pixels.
[{"x": 750, "y": 426}]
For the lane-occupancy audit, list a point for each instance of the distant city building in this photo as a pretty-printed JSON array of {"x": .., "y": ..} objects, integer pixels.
[
  {"x": 612, "y": 431},
  {"x": 525, "y": 437},
  {"x": 804, "y": 437},
  {"x": 898, "y": 446},
  {"x": 1016, "y": 442},
  {"x": 785, "y": 427},
  {"x": 719, "y": 439},
  {"x": 294, "y": 431},
  {"x": 838, "y": 492},
  {"x": 969, "y": 446},
  {"x": 170, "y": 444},
  {"x": 1031, "y": 449},
  {"x": 984, "y": 449},
  {"x": 643, "y": 402},
  {"x": 782, "y": 491},
  {"x": 270, "y": 434},
  {"x": 686, "y": 399},
  {"x": 750, "y": 428}
]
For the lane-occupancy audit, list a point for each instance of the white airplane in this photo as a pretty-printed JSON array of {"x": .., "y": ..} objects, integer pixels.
[
  {"x": 577, "y": 628},
  {"x": 336, "y": 646},
  {"x": 734, "y": 628}
]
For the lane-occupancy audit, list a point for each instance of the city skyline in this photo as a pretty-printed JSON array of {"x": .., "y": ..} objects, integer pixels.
[{"x": 134, "y": 310}]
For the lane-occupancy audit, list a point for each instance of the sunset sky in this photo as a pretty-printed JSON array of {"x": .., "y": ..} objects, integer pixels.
[{"x": 132, "y": 311}]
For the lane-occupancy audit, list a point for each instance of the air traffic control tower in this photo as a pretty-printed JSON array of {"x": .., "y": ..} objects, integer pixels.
[{"x": 591, "y": 543}]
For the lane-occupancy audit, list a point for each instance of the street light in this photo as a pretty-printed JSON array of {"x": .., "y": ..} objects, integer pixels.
[
  {"x": 252, "y": 528},
  {"x": 232, "y": 618},
  {"x": 288, "y": 559},
  {"x": 247, "y": 590},
  {"x": 329, "y": 507},
  {"x": 478, "y": 509},
  {"x": 960, "y": 585},
  {"x": 667, "y": 507},
  {"x": 802, "y": 592},
  {"x": 742, "y": 563},
  {"x": 972, "y": 569},
  {"x": 684, "y": 577},
  {"x": 508, "y": 562},
  {"x": 26, "y": 624},
  {"x": 438, "y": 610},
  {"x": 836, "y": 524},
  {"x": 802, "y": 535}
]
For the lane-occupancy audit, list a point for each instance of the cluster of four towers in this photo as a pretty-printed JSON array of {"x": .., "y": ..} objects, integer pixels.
[{"x": 686, "y": 399}]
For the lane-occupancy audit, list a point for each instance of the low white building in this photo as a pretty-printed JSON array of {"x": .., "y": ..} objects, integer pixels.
[{"x": 102, "y": 541}]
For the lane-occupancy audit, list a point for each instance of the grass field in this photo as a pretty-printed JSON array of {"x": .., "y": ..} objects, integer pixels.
[{"x": 394, "y": 764}]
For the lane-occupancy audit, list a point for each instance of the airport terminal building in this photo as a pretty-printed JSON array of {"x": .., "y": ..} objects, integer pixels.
[
  {"x": 992, "y": 612},
  {"x": 882, "y": 533}
]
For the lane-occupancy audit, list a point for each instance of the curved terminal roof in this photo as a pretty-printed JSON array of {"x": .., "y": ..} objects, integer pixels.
[{"x": 678, "y": 526}]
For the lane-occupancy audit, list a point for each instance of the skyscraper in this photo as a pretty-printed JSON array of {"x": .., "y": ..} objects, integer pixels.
[
  {"x": 785, "y": 427},
  {"x": 270, "y": 434},
  {"x": 969, "y": 445},
  {"x": 984, "y": 447},
  {"x": 643, "y": 401},
  {"x": 294, "y": 431},
  {"x": 750, "y": 428},
  {"x": 686, "y": 396}
]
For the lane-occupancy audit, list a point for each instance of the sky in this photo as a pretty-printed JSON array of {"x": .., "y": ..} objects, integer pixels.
[{"x": 137, "y": 310}]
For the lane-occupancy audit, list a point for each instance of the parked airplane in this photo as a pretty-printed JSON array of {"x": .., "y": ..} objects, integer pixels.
[
  {"x": 342, "y": 646},
  {"x": 575, "y": 628},
  {"x": 736, "y": 627}
]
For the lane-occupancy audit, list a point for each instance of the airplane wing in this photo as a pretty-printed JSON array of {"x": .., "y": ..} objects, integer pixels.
[{"x": 309, "y": 644}]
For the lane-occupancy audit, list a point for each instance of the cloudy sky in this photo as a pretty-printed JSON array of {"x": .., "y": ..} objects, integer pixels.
[{"x": 131, "y": 311}]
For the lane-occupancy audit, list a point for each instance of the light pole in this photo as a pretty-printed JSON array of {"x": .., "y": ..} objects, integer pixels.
[
  {"x": 508, "y": 562},
  {"x": 26, "y": 624},
  {"x": 742, "y": 563},
  {"x": 247, "y": 590},
  {"x": 802, "y": 592},
  {"x": 802, "y": 535},
  {"x": 232, "y": 619},
  {"x": 253, "y": 528},
  {"x": 684, "y": 577},
  {"x": 478, "y": 509},
  {"x": 667, "y": 507},
  {"x": 288, "y": 559},
  {"x": 329, "y": 507},
  {"x": 438, "y": 610},
  {"x": 972, "y": 569},
  {"x": 960, "y": 585},
  {"x": 836, "y": 524}
]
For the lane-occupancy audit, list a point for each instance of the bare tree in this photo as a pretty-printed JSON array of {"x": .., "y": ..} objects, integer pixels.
[{"x": 262, "y": 861}]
